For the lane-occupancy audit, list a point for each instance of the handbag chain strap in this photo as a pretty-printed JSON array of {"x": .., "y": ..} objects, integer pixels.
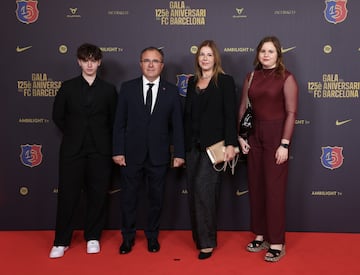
[
  {"x": 248, "y": 104},
  {"x": 232, "y": 163}
]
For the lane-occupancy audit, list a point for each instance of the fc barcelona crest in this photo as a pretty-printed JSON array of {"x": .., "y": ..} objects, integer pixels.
[
  {"x": 332, "y": 157},
  {"x": 335, "y": 11},
  {"x": 31, "y": 155},
  {"x": 27, "y": 11},
  {"x": 182, "y": 83}
]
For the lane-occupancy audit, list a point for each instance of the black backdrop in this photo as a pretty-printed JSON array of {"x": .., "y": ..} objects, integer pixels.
[{"x": 321, "y": 47}]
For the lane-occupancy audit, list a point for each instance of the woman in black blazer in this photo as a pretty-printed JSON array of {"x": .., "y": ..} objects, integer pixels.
[{"x": 210, "y": 117}]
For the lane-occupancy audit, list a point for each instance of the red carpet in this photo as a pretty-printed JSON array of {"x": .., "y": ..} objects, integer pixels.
[{"x": 26, "y": 252}]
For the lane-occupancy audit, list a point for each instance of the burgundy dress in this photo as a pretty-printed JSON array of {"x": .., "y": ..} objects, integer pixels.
[{"x": 274, "y": 101}]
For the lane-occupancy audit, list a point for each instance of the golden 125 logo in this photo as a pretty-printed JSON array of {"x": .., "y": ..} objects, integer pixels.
[{"x": 27, "y": 11}]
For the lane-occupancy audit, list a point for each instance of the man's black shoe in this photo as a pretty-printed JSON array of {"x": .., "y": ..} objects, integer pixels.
[{"x": 126, "y": 246}]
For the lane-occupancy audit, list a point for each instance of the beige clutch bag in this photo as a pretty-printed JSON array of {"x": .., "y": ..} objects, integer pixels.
[{"x": 216, "y": 153}]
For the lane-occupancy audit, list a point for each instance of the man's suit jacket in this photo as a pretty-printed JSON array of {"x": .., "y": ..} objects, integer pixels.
[
  {"x": 75, "y": 119},
  {"x": 137, "y": 133}
]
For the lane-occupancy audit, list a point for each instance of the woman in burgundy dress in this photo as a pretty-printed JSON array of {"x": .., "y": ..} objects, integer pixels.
[{"x": 273, "y": 93}]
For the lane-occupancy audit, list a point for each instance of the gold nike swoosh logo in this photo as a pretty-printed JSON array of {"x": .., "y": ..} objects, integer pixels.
[
  {"x": 22, "y": 49},
  {"x": 338, "y": 123},
  {"x": 287, "y": 49},
  {"x": 240, "y": 193}
]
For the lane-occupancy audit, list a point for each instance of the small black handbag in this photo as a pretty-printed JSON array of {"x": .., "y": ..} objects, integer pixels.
[{"x": 246, "y": 122}]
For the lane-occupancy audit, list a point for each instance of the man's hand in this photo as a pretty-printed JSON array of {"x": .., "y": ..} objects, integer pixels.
[
  {"x": 119, "y": 160},
  {"x": 178, "y": 162}
]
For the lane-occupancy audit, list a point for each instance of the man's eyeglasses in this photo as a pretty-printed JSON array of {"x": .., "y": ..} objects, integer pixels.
[{"x": 154, "y": 61}]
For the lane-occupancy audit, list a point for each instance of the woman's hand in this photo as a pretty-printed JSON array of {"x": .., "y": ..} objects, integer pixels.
[
  {"x": 229, "y": 153},
  {"x": 245, "y": 147},
  {"x": 281, "y": 155}
]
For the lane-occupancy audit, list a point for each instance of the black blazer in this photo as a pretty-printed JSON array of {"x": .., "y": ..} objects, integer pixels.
[
  {"x": 218, "y": 115},
  {"x": 73, "y": 118},
  {"x": 136, "y": 133}
]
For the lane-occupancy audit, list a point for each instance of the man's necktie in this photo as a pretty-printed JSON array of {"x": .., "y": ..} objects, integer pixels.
[{"x": 148, "y": 101}]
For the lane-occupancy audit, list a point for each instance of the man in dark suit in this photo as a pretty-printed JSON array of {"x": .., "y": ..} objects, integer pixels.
[
  {"x": 84, "y": 111},
  {"x": 148, "y": 120}
]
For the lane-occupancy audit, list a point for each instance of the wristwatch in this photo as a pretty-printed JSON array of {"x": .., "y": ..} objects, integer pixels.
[{"x": 285, "y": 145}]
